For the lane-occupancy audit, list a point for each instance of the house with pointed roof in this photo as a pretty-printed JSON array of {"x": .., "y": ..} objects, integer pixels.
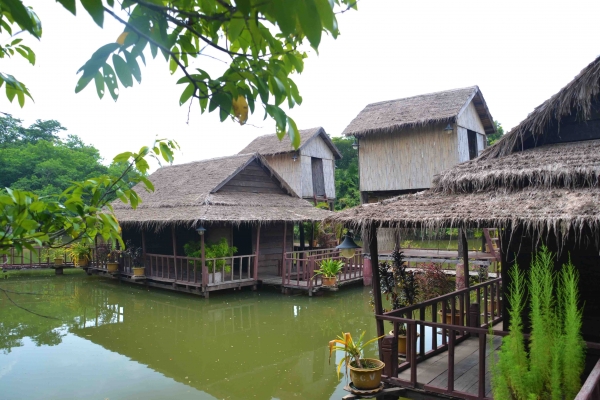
[
  {"x": 239, "y": 198},
  {"x": 309, "y": 170},
  {"x": 404, "y": 143}
]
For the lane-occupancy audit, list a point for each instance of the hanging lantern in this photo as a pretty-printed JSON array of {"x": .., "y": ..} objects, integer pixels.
[{"x": 348, "y": 247}]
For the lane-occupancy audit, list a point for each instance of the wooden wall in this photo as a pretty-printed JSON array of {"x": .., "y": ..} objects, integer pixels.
[
  {"x": 469, "y": 119},
  {"x": 288, "y": 169},
  {"x": 253, "y": 179},
  {"x": 271, "y": 246},
  {"x": 307, "y": 184},
  {"x": 407, "y": 159}
]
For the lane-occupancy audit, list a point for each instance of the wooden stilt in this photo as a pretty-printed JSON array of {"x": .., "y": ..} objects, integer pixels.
[
  {"x": 257, "y": 253},
  {"x": 374, "y": 253},
  {"x": 301, "y": 229},
  {"x": 465, "y": 255}
]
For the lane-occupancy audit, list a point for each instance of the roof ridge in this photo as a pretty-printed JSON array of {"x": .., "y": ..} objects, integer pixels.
[{"x": 475, "y": 87}]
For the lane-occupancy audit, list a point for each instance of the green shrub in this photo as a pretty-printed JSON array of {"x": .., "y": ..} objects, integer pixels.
[
  {"x": 553, "y": 366},
  {"x": 214, "y": 250}
]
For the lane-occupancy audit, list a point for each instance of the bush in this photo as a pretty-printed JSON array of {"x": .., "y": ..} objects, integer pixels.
[
  {"x": 216, "y": 250},
  {"x": 432, "y": 282}
]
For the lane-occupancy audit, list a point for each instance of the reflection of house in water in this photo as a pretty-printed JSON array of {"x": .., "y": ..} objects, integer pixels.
[{"x": 238, "y": 350}]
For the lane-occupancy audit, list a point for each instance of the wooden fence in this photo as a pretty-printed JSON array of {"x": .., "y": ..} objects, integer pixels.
[
  {"x": 29, "y": 259},
  {"x": 299, "y": 267}
]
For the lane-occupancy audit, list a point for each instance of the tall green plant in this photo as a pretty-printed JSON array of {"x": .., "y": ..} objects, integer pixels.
[{"x": 553, "y": 366}]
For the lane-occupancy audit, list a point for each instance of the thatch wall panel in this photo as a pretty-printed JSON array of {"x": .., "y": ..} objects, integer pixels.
[
  {"x": 289, "y": 169},
  {"x": 329, "y": 172},
  {"x": 407, "y": 159},
  {"x": 317, "y": 147},
  {"x": 307, "y": 183},
  {"x": 470, "y": 119}
]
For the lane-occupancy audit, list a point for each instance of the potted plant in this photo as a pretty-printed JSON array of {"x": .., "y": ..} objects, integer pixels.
[
  {"x": 55, "y": 253},
  {"x": 220, "y": 250},
  {"x": 365, "y": 373},
  {"x": 401, "y": 339},
  {"x": 329, "y": 269},
  {"x": 113, "y": 260},
  {"x": 80, "y": 253},
  {"x": 135, "y": 255}
]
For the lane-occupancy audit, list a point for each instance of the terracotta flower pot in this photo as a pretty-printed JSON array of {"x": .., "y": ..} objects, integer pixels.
[
  {"x": 112, "y": 267},
  {"x": 366, "y": 378},
  {"x": 139, "y": 271},
  {"x": 329, "y": 281}
]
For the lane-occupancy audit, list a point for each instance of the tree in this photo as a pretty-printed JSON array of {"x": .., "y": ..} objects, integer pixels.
[
  {"x": 261, "y": 40},
  {"x": 494, "y": 137},
  {"x": 36, "y": 159},
  {"x": 346, "y": 174}
]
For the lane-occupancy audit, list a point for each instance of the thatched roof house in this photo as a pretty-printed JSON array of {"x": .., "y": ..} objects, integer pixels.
[
  {"x": 539, "y": 183},
  {"x": 236, "y": 189},
  {"x": 309, "y": 170},
  {"x": 414, "y": 138}
]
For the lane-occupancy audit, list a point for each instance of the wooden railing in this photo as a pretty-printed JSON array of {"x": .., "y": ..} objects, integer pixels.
[
  {"x": 299, "y": 267},
  {"x": 591, "y": 387},
  {"x": 216, "y": 271},
  {"x": 28, "y": 259},
  {"x": 472, "y": 310}
]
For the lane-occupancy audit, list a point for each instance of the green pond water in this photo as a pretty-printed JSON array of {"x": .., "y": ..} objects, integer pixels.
[{"x": 122, "y": 341}]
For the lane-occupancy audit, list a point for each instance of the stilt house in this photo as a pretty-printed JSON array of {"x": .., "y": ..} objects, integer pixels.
[
  {"x": 239, "y": 198},
  {"x": 538, "y": 185},
  {"x": 309, "y": 170},
  {"x": 403, "y": 143}
]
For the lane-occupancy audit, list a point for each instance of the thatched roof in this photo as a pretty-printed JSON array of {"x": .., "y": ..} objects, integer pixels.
[
  {"x": 393, "y": 115},
  {"x": 188, "y": 193},
  {"x": 534, "y": 209},
  {"x": 575, "y": 98},
  {"x": 270, "y": 144},
  {"x": 563, "y": 165}
]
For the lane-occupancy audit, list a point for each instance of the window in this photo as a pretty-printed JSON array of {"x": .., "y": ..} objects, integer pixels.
[
  {"x": 317, "y": 177},
  {"x": 472, "y": 138}
]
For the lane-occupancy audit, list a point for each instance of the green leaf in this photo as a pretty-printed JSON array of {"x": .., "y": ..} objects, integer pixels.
[
  {"x": 111, "y": 81},
  {"x": 133, "y": 66},
  {"x": 244, "y": 6},
  {"x": 69, "y": 5},
  {"x": 310, "y": 23},
  {"x": 122, "y": 157},
  {"x": 293, "y": 133},
  {"x": 187, "y": 93},
  {"x": 123, "y": 71},
  {"x": 236, "y": 26},
  {"x": 166, "y": 152},
  {"x": 95, "y": 9},
  {"x": 22, "y": 16},
  {"x": 99, "y": 81},
  {"x": 278, "y": 115}
]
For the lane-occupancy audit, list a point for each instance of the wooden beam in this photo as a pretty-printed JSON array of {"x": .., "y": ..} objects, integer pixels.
[
  {"x": 284, "y": 237},
  {"x": 257, "y": 253},
  {"x": 143, "y": 244},
  {"x": 374, "y": 253},
  {"x": 203, "y": 261},
  {"x": 174, "y": 240},
  {"x": 465, "y": 255},
  {"x": 301, "y": 229}
]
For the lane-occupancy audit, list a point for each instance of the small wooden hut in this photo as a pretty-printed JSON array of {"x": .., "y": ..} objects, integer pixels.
[
  {"x": 309, "y": 170},
  {"x": 239, "y": 198},
  {"x": 540, "y": 184},
  {"x": 403, "y": 143}
]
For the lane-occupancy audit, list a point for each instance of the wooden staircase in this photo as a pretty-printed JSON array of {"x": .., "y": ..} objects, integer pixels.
[{"x": 492, "y": 241}]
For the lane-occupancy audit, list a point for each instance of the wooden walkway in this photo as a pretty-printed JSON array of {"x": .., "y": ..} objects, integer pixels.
[
  {"x": 274, "y": 280},
  {"x": 443, "y": 256},
  {"x": 432, "y": 374}
]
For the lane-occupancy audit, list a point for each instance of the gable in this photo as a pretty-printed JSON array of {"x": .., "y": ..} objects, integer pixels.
[
  {"x": 253, "y": 178},
  {"x": 317, "y": 147}
]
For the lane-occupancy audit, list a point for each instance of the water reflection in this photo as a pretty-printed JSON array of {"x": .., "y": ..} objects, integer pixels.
[{"x": 239, "y": 345}]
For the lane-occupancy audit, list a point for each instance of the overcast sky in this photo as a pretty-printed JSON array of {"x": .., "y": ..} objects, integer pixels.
[{"x": 518, "y": 52}]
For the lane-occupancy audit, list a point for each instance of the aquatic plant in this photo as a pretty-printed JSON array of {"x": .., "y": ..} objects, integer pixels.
[{"x": 353, "y": 350}]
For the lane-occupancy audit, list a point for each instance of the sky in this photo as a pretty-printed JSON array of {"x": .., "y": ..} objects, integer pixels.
[{"x": 519, "y": 53}]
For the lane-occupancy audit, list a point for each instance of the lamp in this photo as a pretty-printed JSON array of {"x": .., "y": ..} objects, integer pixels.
[
  {"x": 355, "y": 144},
  {"x": 448, "y": 129},
  {"x": 294, "y": 156},
  {"x": 348, "y": 247},
  {"x": 201, "y": 230}
]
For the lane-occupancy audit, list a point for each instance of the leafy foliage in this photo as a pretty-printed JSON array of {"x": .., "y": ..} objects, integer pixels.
[
  {"x": 36, "y": 159},
  {"x": 219, "y": 249},
  {"x": 494, "y": 137},
  {"x": 353, "y": 350},
  {"x": 398, "y": 284},
  {"x": 83, "y": 210},
  {"x": 432, "y": 281},
  {"x": 261, "y": 41},
  {"x": 346, "y": 174},
  {"x": 329, "y": 268},
  {"x": 554, "y": 364}
]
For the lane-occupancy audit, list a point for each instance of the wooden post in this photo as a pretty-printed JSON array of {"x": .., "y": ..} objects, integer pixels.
[
  {"x": 312, "y": 236},
  {"x": 284, "y": 240},
  {"x": 301, "y": 229},
  {"x": 373, "y": 252},
  {"x": 465, "y": 254},
  {"x": 174, "y": 250},
  {"x": 257, "y": 253},
  {"x": 143, "y": 244},
  {"x": 204, "y": 267}
]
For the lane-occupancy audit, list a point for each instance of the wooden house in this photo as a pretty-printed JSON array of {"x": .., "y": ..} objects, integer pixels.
[
  {"x": 540, "y": 184},
  {"x": 309, "y": 170},
  {"x": 403, "y": 143},
  {"x": 239, "y": 198}
]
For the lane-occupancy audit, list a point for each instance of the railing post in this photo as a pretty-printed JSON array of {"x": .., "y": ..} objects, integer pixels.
[
  {"x": 481, "y": 385},
  {"x": 474, "y": 321},
  {"x": 390, "y": 357}
]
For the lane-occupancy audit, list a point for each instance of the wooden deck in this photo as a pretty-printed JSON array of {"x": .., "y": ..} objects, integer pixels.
[
  {"x": 443, "y": 256},
  {"x": 432, "y": 374},
  {"x": 274, "y": 280}
]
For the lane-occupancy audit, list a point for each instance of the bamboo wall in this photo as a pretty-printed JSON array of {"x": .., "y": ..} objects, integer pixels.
[
  {"x": 407, "y": 159},
  {"x": 298, "y": 174}
]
